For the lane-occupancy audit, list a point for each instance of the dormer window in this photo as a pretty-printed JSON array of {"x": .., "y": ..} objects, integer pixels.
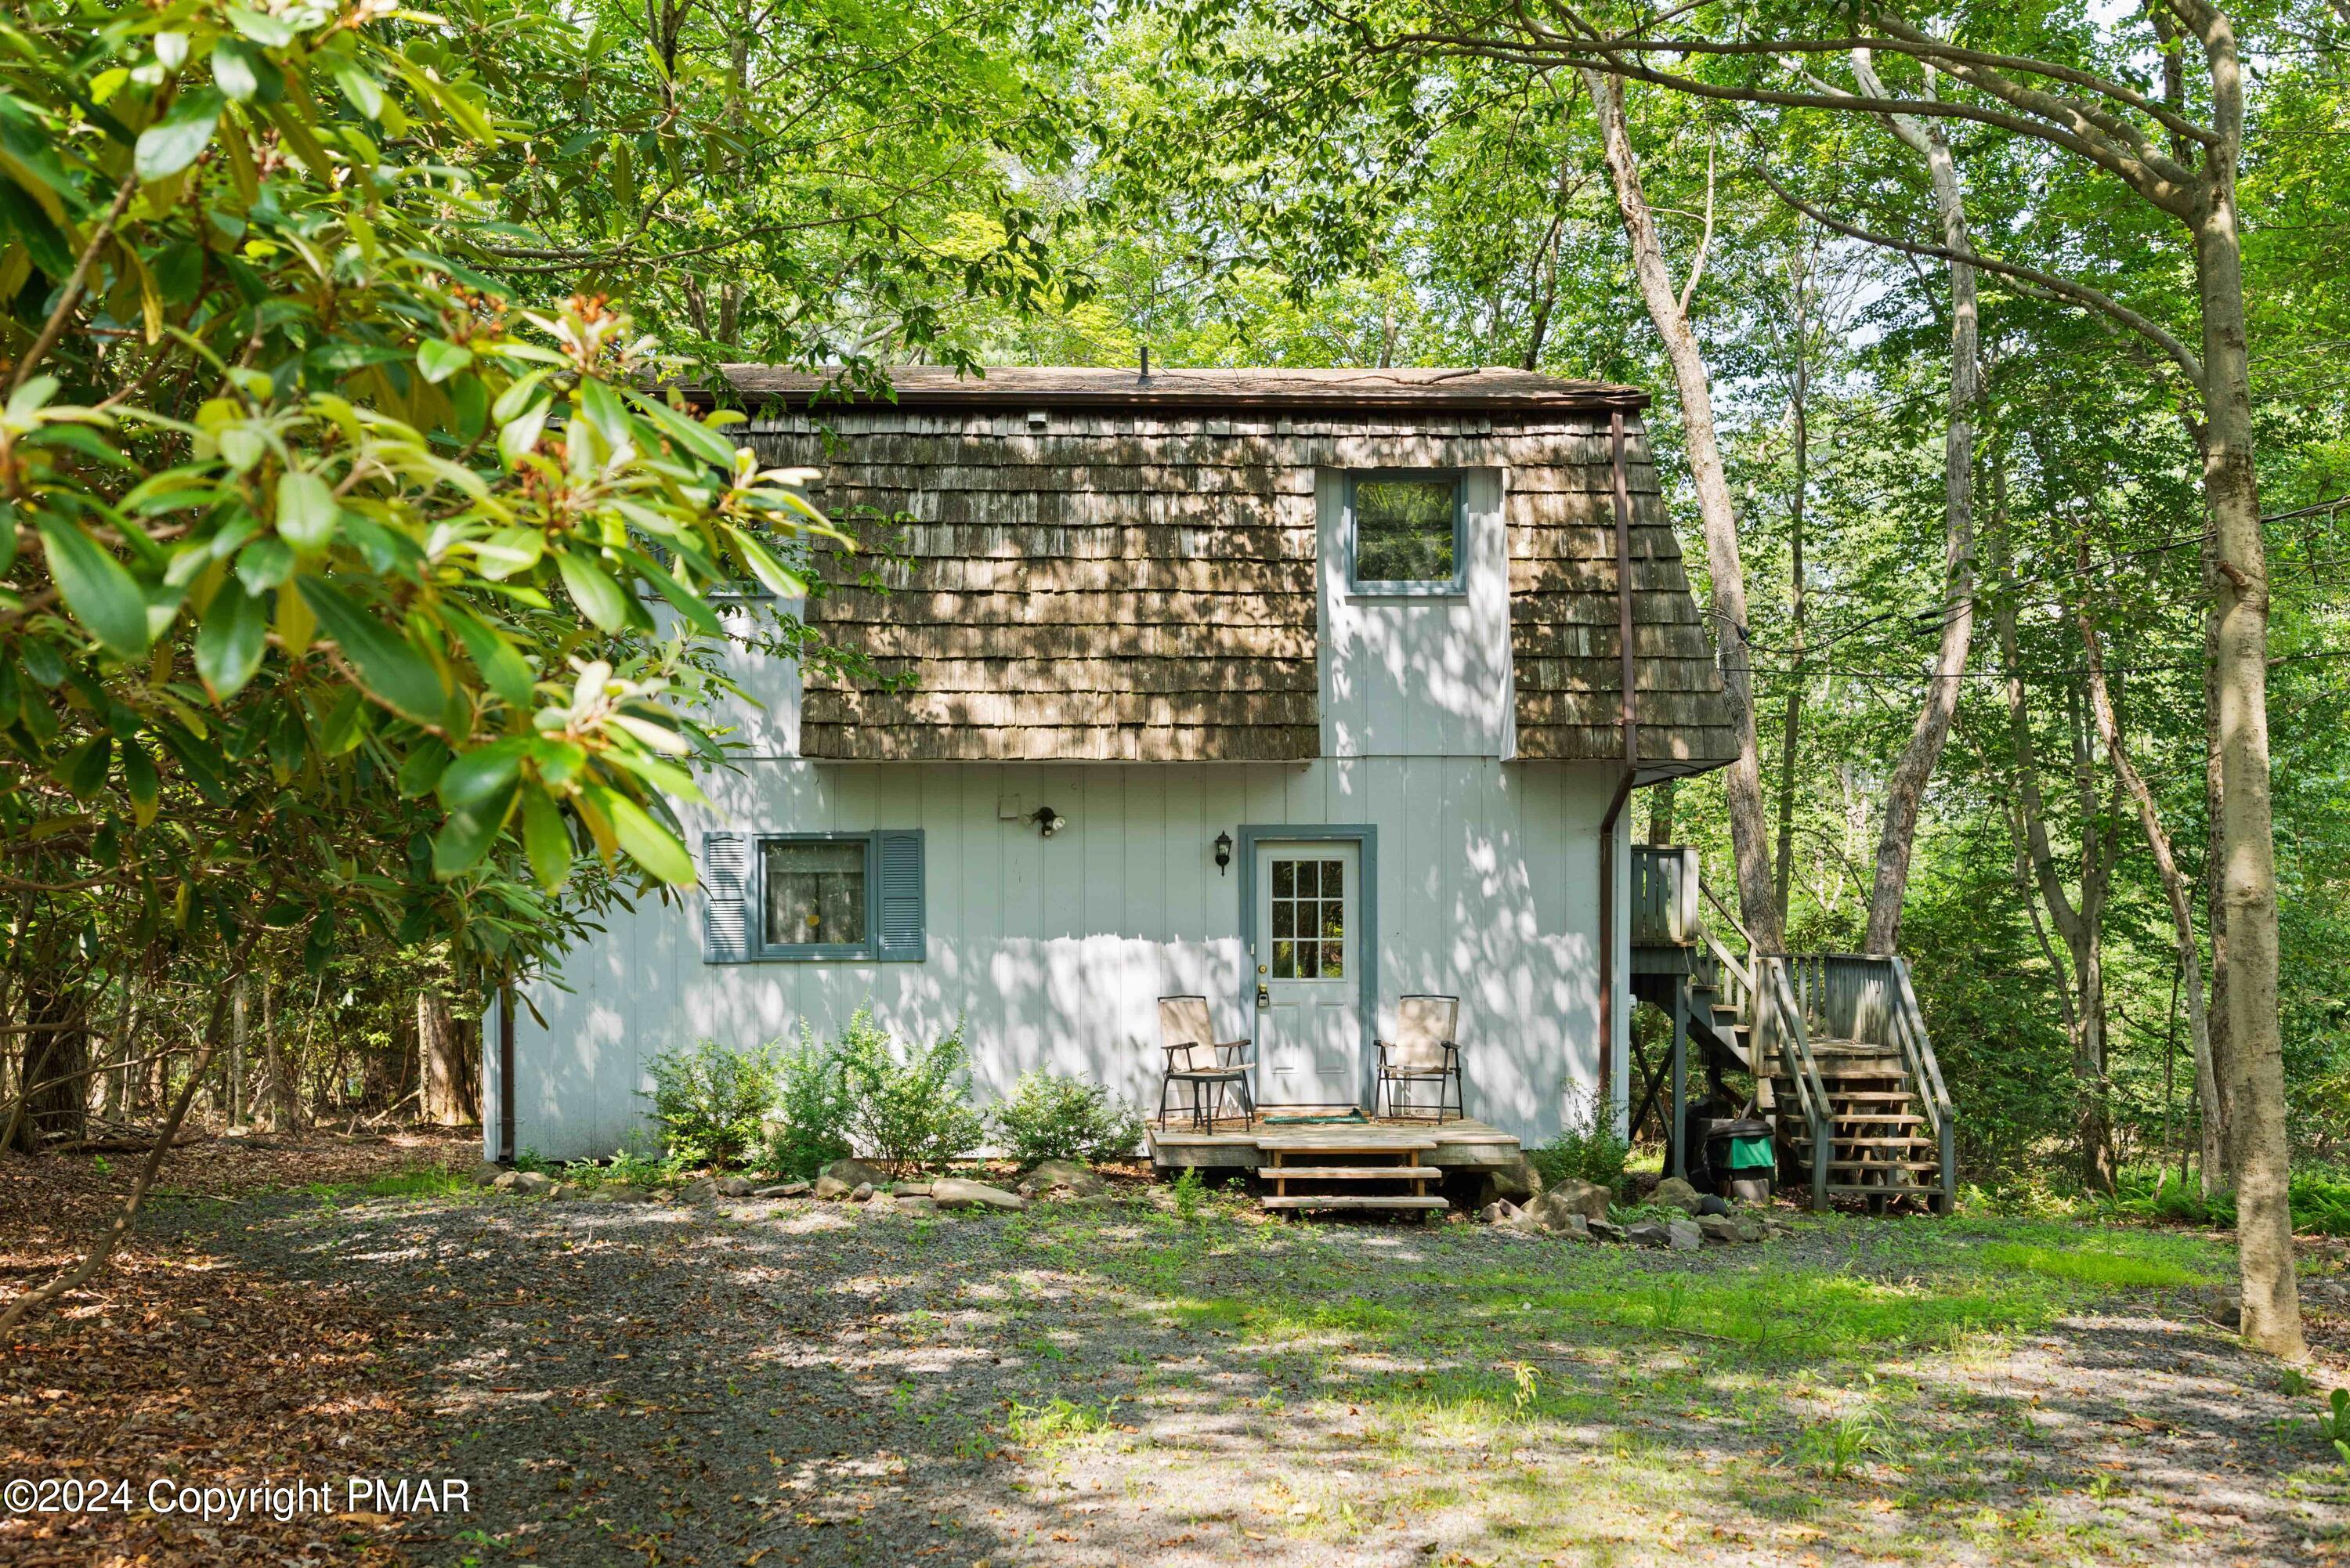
[{"x": 1406, "y": 530}]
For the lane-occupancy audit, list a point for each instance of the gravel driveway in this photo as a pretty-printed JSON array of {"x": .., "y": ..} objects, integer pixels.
[{"x": 796, "y": 1383}]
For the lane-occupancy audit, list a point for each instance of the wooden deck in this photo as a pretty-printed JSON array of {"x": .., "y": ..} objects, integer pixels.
[{"x": 1233, "y": 1146}]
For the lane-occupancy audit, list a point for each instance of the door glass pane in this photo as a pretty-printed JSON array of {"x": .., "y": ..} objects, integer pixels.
[
  {"x": 1284, "y": 878},
  {"x": 1334, "y": 878},
  {"x": 816, "y": 892},
  {"x": 1334, "y": 960},
  {"x": 1306, "y": 879},
  {"x": 1308, "y": 961},
  {"x": 1284, "y": 915},
  {"x": 1285, "y": 961}
]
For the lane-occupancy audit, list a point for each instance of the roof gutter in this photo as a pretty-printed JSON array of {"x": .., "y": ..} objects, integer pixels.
[{"x": 1629, "y": 717}]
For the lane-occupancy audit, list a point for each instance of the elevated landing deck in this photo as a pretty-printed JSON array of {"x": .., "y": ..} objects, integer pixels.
[{"x": 1456, "y": 1144}]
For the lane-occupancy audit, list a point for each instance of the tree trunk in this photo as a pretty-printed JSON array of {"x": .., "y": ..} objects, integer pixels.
[
  {"x": 1907, "y": 789},
  {"x": 52, "y": 1098},
  {"x": 1750, "y": 829},
  {"x": 284, "y": 1112},
  {"x": 1661, "y": 812},
  {"x": 2251, "y": 1068},
  {"x": 2158, "y": 839},
  {"x": 441, "y": 1057},
  {"x": 1792, "y": 731}
]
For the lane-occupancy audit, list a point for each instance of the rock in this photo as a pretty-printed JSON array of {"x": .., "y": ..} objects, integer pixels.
[
  {"x": 702, "y": 1190},
  {"x": 1708, "y": 1203},
  {"x": 1749, "y": 1229},
  {"x": 1675, "y": 1193},
  {"x": 919, "y": 1204},
  {"x": 1516, "y": 1183},
  {"x": 1501, "y": 1211},
  {"x": 955, "y": 1192},
  {"x": 1577, "y": 1228},
  {"x": 781, "y": 1189},
  {"x": 734, "y": 1185},
  {"x": 1062, "y": 1178},
  {"x": 504, "y": 1182},
  {"x": 523, "y": 1183},
  {"x": 830, "y": 1186},
  {"x": 1719, "y": 1229},
  {"x": 910, "y": 1188},
  {"x": 861, "y": 1193},
  {"x": 1647, "y": 1235},
  {"x": 1605, "y": 1230},
  {"x": 1576, "y": 1196},
  {"x": 564, "y": 1191},
  {"x": 1684, "y": 1237},
  {"x": 486, "y": 1174},
  {"x": 854, "y": 1173}
]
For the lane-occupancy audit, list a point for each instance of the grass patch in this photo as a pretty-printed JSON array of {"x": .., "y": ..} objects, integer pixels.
[{"x": 2107, "y": 1270}]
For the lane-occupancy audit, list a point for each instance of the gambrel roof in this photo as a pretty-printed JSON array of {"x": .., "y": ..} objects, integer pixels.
[{"x": 1094, "y": 566}]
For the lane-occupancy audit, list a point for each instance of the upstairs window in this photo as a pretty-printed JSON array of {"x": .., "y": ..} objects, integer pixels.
[{"x": 1408, "y": 531}]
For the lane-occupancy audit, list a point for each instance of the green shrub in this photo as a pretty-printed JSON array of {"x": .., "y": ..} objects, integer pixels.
[
  {"x": 711, "y": 1099},
  {"x": 1591, "y": 1152},
  {"x": 914, "y": 1112},
  {"x": 1051, "y": 1117},
  {"x": 808, "y": 1127}
]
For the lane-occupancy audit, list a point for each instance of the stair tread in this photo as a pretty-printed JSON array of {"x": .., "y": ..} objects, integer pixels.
[
  {"x": 1351, "y": 1172},
  {"x": 1357, "y": 1200}
]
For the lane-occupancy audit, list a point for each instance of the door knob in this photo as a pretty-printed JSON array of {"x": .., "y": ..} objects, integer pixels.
[{"x": 1260, "y": 969}]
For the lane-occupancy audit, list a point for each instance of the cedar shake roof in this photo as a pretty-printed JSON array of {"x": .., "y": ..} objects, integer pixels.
[
  {"x": 1134, "y": 578},
  {"x": 928, "y": 386}
]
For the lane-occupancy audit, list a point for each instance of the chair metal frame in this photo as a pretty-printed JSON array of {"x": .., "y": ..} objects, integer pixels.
[
  {"x": 1449, "y": 1071},
  {"x": 1222, "y": 1075}
]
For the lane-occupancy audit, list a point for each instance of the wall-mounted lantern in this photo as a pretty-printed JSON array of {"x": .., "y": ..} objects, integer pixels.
[
  {"x": 1224, "y": 852},
  {"x": 1048, "y": 821}
]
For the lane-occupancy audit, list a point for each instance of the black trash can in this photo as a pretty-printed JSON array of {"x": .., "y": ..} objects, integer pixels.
[{"x": 1738, "y": 1152}]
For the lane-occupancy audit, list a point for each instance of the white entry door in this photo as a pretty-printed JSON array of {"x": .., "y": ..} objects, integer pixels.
[{"x": 1309, "y": 999}]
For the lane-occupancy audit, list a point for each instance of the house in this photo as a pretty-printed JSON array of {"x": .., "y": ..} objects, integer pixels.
[{"x": 1300, "y": 690}]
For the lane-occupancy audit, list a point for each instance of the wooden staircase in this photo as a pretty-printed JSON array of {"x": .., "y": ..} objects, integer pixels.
[
  {"x": 1335, "y": 1175},
  {"x": 1834, "y": 1043}
]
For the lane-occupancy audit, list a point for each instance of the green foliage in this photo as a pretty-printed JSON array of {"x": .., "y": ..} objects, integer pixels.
[
  {"x": 910, "y": 1112},
  {"x": 1050, "y": 1116},
  {"x": 2319, "y": 1201},
  {"x": 1190, "y": 1191},
  {"x": 2092, "y": 1266},
  {"x": 808, "y": 1127},
  {"x": 711, "y": 1099},
  {"x": 1591, "y": 1152}
]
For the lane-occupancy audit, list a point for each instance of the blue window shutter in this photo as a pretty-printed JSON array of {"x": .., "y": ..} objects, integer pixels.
[
  {"x": 725, "y": 897},
  {"x": 899, "y": 934}
]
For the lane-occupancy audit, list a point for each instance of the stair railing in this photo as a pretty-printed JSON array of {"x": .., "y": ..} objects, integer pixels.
[
  {"x": 1925, "y": 1072},
  {"x": 1788, "y": 1034},
  {"x": 1734, "y": 981}
]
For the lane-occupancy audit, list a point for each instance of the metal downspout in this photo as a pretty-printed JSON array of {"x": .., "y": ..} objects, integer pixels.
[{"x": 1629, "y": 716}]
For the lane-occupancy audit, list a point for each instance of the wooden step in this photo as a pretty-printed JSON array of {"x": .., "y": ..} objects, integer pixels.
[
  {"x": 1878, "y": 1118},
  {"x": 1350, "y": 1172},
  {"x": 1291, "y": 1144},
  {"x": 1357, "y": 1200},
  {"x": 1840, "y": 1141},
  {"x": 1867, "y": 1164},
  {"x": 1881, "y": 1096}
]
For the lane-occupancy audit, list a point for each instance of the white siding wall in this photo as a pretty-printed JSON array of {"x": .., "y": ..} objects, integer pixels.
[{"x": 1053, "y": 951}]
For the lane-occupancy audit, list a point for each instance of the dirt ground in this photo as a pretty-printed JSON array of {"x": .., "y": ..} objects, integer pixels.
[{"x": 795, "y": 1383}]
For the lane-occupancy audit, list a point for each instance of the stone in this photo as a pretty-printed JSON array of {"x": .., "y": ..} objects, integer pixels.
[
  {"x": 1605, "y": 1230},
  {"x": 563, "y": 1192},
  {"x": 1675, "y": 1193},
  {"x": 1577, "y": 1195},
  {"x": 1645, "y": 1234},
  {"x": 781, "y": 1189},
  {"x": 1708, "y": 1203},
  {"x": 1517, "y": 1182},
  {"x": 702, "y": 1190},
  {"x": 955, "y": 1192},
  {"x": 910, "y": 1188},
  {"x": 734, "y": 1185},
  {"x": 830, "y": 1186},
  {"x": 921, "y": 1203},
  {"x": 1062, "y": 1178},
  {"x": 1719, "y": 1230},
  {"x": 486, "y": 1174},
  {"x": 861, "y": 1193},
  {"x": 1501, "y": 1211},
  {"x": 854, "y": 1173},
  {"x": 1683, "y": 1236},
  {"x": 1577, "y": 1228},
  {"x": 523, "y": 1183},
  {"x": 1751, "y": 1229}
]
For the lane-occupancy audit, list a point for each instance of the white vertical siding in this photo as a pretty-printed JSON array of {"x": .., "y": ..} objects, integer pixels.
[{"x": 1051, "y": 952}]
